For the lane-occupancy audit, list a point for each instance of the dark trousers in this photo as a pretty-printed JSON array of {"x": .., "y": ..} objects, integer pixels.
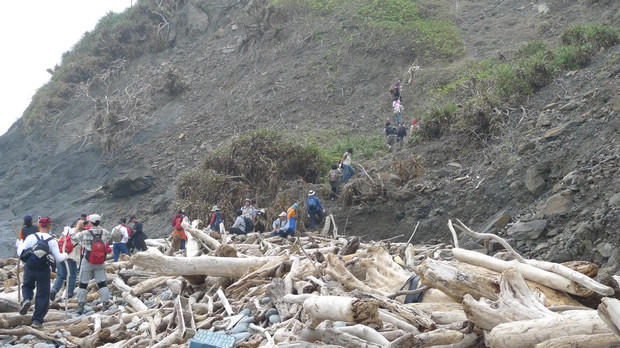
[
  {"x": 41, "y": 278},
  {"x": 283, "y": 234},
  {"x": 313, "y": 216},
  {"x": 334, "y": 185},
  {"x": 62, "y": 276},
  {"x": 237, "y": 230}
]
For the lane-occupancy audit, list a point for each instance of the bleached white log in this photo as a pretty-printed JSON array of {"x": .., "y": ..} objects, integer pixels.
[
  {"x": 134, "y": 302},
  {"x": 339, "y": 308},
  {"x": 469, "y": 341},
  {"x": 192, "y": 246},
  {"x": 528, "y": 333},
  {"x": 582, "y": 341},
  {"x": 516, "y": 302},
  {"x": 169, "y": 340},
  {"x": 529, "y": 272},
  {"x": 365, "y": 333},
  {"x": 148, "y": 285},
  {"x": 120, "y": 285},
  {"x": 198, "y": 234},
  {"x": 200, "y": 265},
  {"x": 388, "y": 317},
  {"x": 609, "y": 311},
  {"x": 175, "y": 285}
]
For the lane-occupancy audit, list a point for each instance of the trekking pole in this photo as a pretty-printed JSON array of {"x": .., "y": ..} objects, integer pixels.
[
  {"x": 64, "y": 247},
  {"x": 19, "y": 261}
]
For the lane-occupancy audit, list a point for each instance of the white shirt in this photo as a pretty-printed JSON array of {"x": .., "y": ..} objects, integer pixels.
[
  {"x": 124, "y": 233},
  {"x": 31, "y": 241}
]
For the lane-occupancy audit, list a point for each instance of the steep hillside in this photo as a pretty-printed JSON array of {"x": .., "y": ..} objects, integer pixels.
[{"x": 228, "y": 67}]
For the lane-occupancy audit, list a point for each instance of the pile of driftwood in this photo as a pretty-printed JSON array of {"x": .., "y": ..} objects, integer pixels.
[{"x": 320, "y": 290}]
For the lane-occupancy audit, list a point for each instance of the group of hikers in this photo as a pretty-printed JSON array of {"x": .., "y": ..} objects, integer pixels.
[
  {"x": 397, "y": 132},
  {"x": 79, "y": 254}
]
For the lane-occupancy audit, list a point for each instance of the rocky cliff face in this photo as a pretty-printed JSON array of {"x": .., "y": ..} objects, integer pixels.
[{"x": 549, "y": 183}]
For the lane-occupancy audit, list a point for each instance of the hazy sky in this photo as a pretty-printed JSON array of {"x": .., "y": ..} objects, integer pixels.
[{"x": 36, "y": 33}]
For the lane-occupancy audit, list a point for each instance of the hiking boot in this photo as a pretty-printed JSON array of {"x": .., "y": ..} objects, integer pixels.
[
  {"x": 25, "y": 306},
  {"x": 52, "y": 295},
  {"x": 80, "y": 308},
  {"x": 37, "y": 324}
]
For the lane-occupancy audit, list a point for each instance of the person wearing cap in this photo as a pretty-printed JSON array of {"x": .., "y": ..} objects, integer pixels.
[
  {"x": 121, "y": 246},
  {"x": 216, "y": 219},
  {"x": 82, "y": 217},
  {"x": 248, "y": 210},
  {"x": 291, "y": 221},
  {"x": 72, "y": 261},
  {"x": 315, "y": 208},
  {"x": 138, "y": 236},
  {"x": 37, "y": 274},
  {"x": 88, "y": 270},
  {"x": 28, "y": 228},
  {"x": 176, "y": 223},
  {"x": 280, "y": 225},
  {"x": 239, "y": 226}
]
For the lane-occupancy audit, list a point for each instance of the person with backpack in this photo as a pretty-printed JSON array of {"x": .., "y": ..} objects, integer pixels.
[
  {"x": 345, "y": 163},
  {"x": 412, "y": 69},
  {"x": 178, "y": 229},
  {"x": 401, "y": 133},
  {"x": 390, "y": 135},
  {"x": 398, "y": 111},
  {"x": 315, "y": 208},
  {"x": 249, "y": 211},
  {"x": 291, "y": 219},
  {"x": 138, "y": 236},
  {"x": 120, "y": 236},
  {"x": 216, "y": 219},
  {"x": 28, "y": 227},
  {"x": 69, "y": 245},
  {"x": 94, "y": 250},
  {"x": 334, "y": 180},
  {"x": 280, "y": 225},
  {"x": 82, "y": 218},
  {"x": 239, "y": 227},
  {"x": 35, "y": 252}
]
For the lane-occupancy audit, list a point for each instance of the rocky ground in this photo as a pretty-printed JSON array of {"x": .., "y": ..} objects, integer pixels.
[{"x": 520, "y": 185}]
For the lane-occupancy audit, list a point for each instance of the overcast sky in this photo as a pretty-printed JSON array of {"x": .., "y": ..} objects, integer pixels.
[{"x": 35, "y": 35}]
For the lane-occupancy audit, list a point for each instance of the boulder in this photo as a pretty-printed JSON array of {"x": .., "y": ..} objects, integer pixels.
[
  {"x": 534, "y": 181},
  {"x": 129, "y": 182},
  {"x": 614, "y": 200},
  {"x": 559, "y": 130},
  {"x": 527, "y": 230},
  {"x": 557, "y": 204}
]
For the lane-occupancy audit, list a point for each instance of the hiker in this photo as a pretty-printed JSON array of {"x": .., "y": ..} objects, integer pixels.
[
  {"x": 345, "y": 163},
  {"x": 414, "y": 127},
  {"x": 35, "y": 253},
  {"x": 120, "y": 236},
  {"x": 334, "y": 180},
  {"x": 94, "y": 250},
  {"x": 248, "y": 210},
  {"x": 291, "y": 220},
  {"x": 390, "y": 135},
  {"x": 178, "y": 229},
  {"x": 69, "y": 245},
  {"x": 395, "y": 90},
  {"x": 28, "y": 227},
  {"x": 216, "y": 219},
  {"x": 138, "y": 237},
  {"x": 82, "y": 217},
  {"x": 315, "y": 208},
  {"x": 398, "y": 111},
  {"x": 280, "y": 225},
  {"x": 239, "y": 226},
  {"x": 401, "y": 133},
  {"x": 410, "y": 72}
]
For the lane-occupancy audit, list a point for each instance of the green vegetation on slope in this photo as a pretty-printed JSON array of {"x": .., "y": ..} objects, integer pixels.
[
  {"x": 472, "y": 102},
  {"x": 140, "y": 29}
]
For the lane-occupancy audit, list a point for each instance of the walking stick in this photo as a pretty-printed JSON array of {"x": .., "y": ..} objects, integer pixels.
[
  {"x": 64, "y": 247},
  {"x": 19, "y": 261}
]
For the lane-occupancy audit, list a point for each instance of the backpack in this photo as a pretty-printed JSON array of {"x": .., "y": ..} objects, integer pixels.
[
  {"x": 68, "y": 245},
  {"x": 312, "y": 204},
  {"x": 128, "y": 230},
  {"x": 390, "y": 130},
  {"x": 249, "y": 225},
  {"x": 402, "y": 131},
  {"x": 117, "y": 235},
  {"x": 97, "y": 253},
  {"x": 218, "y": 218},
  {"x": 177, "y": 224},
  {"x": 333, "y": 175},
  {"x": 393, "y": 89},
  {"x": 37, "y": 256}
]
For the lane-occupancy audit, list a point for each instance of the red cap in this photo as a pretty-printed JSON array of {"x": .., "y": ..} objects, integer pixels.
[
  {"x": 45, "y": 222},
  {"x": 415, "y": 121}
]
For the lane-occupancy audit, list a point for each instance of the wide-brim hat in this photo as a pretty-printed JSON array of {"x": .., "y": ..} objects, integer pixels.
[
  {"x": 311, "y": 193},
  {"x": 215, "y": 208},
  {"x": 282, "y": 214}
]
